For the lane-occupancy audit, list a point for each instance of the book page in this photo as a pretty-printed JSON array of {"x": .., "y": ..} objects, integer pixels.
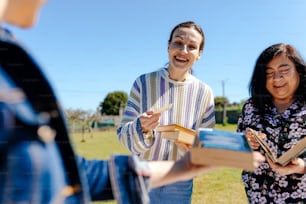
[
  {"x": 283, "y": 160},
  {"x": 263, "y": 144},
  {"x": 178, "y": 136},
  {"x": 174, "y": 127},
  {"x": 292, "y": 153}
]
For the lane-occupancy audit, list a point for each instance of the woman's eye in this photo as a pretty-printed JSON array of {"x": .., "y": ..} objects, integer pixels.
[
  {"x": 284, "y": 71},
  {"x": 192, "y": 47},
  {"x": 178, "y": 43},
  {"x": 269, "y": 74}
]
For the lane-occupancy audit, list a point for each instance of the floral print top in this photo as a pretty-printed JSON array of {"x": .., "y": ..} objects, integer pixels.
[{"x": 283, "y": 130}]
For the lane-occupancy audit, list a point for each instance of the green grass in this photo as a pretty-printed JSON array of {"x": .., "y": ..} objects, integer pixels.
[{"x": 218, "y": 186}]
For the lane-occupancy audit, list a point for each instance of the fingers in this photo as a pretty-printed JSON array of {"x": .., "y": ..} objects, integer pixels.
[
  {"x": 295, "y": 166},
  {"x": 258, "y": 158},
  {"x": 296, "y": 161},
  {"x": 277, "y": 168},
  {"x": 262, "y": 135},
  {"x": 182, "y": 146},
  {"x": 253, "y": 143},
  {"x": 251, "y": 139},
  {"x": 149, "y": 121}
]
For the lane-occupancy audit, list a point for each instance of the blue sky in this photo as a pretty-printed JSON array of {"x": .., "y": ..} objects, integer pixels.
[{"x": 89, "y": 48}]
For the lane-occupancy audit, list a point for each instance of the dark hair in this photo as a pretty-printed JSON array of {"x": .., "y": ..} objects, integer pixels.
[
  {"x": 189, "y": 24},
  {"x": 257, "y": 86}
]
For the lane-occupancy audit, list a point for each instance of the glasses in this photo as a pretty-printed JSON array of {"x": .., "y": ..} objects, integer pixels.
[{"x": 273, "y": 74}]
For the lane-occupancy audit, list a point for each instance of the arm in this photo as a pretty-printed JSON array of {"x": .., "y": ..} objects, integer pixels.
[
  {"x": 166, "y": 172},
  {"x": 100, "y": 173},
  {"x": 134, "y": 129}
]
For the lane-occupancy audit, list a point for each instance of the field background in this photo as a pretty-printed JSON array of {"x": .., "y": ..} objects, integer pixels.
[{"x": 219, "y": 186}]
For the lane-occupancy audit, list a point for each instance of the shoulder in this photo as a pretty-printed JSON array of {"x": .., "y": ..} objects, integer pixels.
[
  {"x": 151, "y": 75},
  {"x": 248, "y": 105},
  {"x": 201, "y": 84}
]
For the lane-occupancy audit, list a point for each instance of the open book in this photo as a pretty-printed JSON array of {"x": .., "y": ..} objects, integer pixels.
[
  {"x": 222, "y": 148},
  {"x": 177, "y": 132},
  {"x": 285, "y": 158}
]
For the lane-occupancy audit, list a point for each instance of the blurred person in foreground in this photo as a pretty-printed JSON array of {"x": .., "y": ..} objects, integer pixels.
[
  {"x": 38, "y": 164},
  {"x": 277, "y": 111}
]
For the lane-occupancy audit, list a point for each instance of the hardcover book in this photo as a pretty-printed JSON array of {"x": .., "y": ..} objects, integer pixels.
[
  {"x": 285, "y": 158},
  {"x": 222, "y": 148},
  {"x": 177, "y": 132}
]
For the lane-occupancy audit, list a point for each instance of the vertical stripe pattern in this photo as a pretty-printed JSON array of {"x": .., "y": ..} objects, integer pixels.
[{"x": 193, "y": 107}]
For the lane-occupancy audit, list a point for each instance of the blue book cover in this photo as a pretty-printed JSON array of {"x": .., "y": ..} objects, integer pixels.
[{"x": 222, "y": 139}]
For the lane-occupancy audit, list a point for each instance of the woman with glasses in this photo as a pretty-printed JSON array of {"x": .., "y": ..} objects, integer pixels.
[{"x": 276, "y": 109}]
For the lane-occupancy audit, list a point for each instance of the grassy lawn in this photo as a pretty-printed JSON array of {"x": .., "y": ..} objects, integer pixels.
[{"x": 218, "y": 186}]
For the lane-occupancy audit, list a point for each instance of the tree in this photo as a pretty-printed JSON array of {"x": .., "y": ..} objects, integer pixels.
[
  {"x": 81, "y": 117},
  {"x": 220, "y": 101},
  {"x": 113, "y": 102},
  {"x": 73, "y": 116},
  {"x": 86, "y": 118}
]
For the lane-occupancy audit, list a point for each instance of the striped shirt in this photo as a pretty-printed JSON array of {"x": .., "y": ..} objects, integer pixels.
[{"x": 193, "y": 107}]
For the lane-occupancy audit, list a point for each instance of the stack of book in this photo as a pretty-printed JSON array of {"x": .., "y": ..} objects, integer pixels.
[
  {"x": 222, "y": 148},
  {"x": 177, "y": 133},
  {"x": 225, "y": 148}
]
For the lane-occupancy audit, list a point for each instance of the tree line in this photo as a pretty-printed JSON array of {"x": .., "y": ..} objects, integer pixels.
[{"x": 114, "y": 103}]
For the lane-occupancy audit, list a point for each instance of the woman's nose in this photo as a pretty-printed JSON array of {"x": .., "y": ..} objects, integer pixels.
[{"x": 184, "y": 48}]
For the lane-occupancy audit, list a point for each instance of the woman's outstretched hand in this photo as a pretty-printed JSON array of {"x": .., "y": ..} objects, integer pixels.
[{"x": 149, "y": 120}]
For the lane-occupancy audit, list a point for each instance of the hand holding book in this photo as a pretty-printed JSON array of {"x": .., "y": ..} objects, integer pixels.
[
  {"x": 183, "y": 147},
  {"x": 213, "y": 147},
  {"x": 223, "y": 148},
  {"x": 250, "y": 135},
  {"x": 150, "y": 119},
  {"x": 183, "y": 137},
  {"x": 177, "y": 133},
  {"x": 296, "y": 165},
  {"x": 295, "y": 151}
]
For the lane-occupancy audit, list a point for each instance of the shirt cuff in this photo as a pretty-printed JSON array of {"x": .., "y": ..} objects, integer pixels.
[{"x": 147, "y": 138}]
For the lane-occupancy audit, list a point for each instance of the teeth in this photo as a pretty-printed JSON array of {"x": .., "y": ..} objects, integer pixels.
[{"x": 182, "y": 59}]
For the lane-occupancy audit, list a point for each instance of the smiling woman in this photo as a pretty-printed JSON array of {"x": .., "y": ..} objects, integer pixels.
[
  {"x": 184, "y": 48},
  {"x": 277, "y": 108},
  {"x": 192, "y": 107},
  {"x": 282, "y": 81}
]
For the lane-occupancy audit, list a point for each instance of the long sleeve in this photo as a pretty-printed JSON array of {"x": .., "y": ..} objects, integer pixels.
[
  {"x": 192, "y": 107},
  {"x": 129, "y": 132}
]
